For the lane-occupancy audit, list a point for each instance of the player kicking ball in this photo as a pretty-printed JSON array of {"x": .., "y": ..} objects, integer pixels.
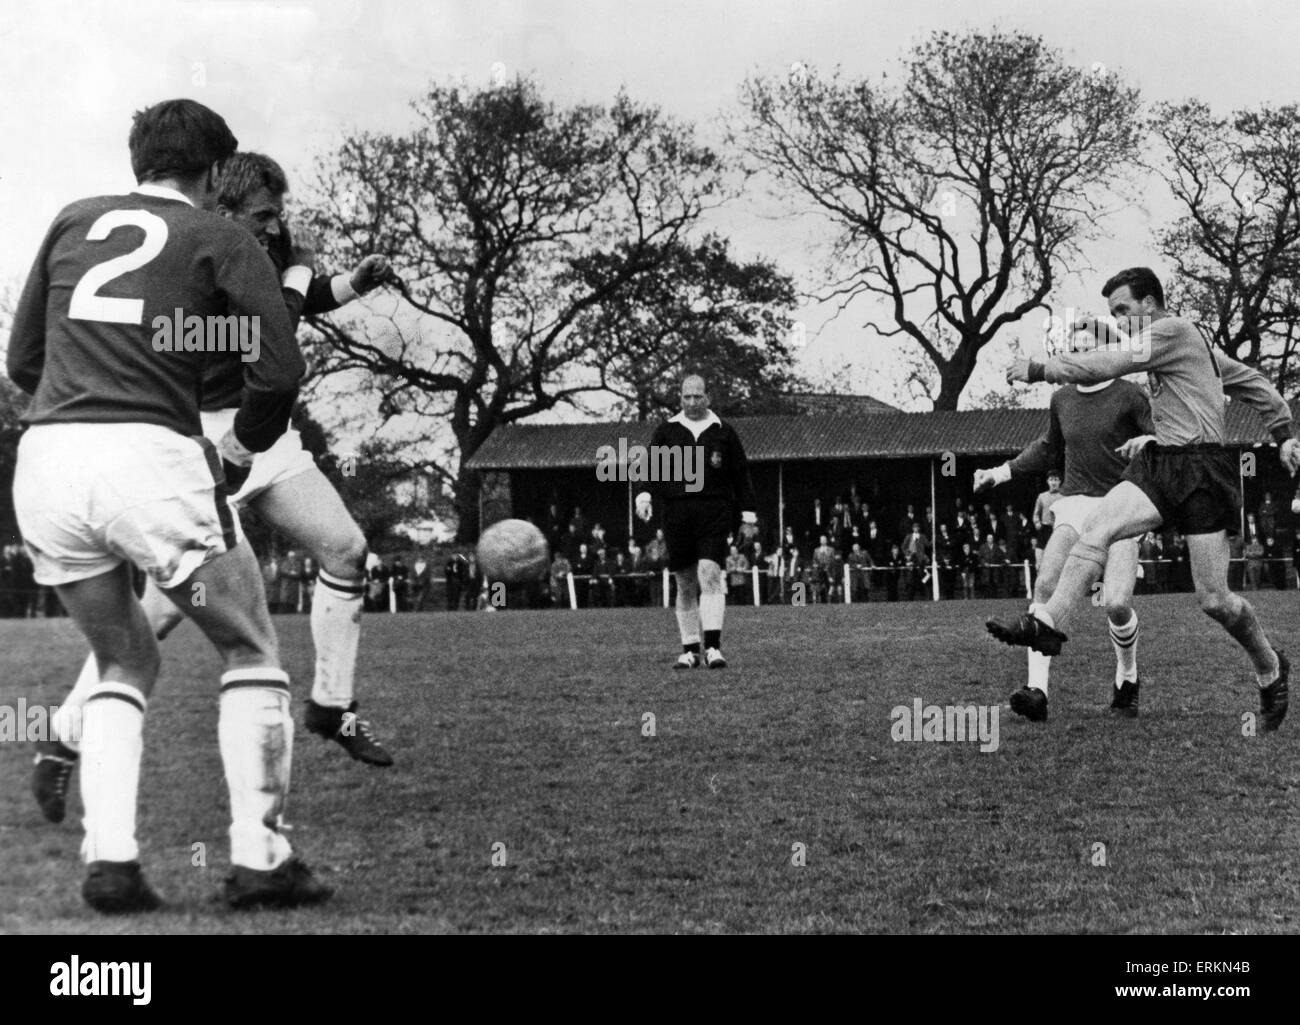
[
  {"x": 113, "y": 471},
  {"x": 709, "y": 485},
  {"x": 285, "y": 487},
  {"x": 1095, "y": 429},
  {"x": 1187, "y": 477}
]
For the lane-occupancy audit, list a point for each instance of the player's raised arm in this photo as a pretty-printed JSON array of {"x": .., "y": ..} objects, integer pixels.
[{"x": 1118, "y": 355}]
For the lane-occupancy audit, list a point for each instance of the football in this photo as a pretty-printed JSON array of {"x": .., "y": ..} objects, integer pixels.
[{"x": 513, "y": 551}]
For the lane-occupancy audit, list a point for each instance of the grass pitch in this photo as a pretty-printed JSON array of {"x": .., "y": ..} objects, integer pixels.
[{"x": 520, "y": 739}]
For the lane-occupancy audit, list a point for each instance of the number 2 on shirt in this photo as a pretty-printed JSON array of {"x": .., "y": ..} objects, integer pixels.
[{"x": 86, "y": 302}]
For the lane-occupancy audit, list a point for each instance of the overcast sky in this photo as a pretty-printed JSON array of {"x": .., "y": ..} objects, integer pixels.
[{"x": 290, "y": 78}]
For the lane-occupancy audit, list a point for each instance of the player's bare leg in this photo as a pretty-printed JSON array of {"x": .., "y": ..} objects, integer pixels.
[
  {"x": 126, "y": 653},
  {"x": 1124, "y": 512},
  {"x": 713, "y": 607},
  {"x": 226, "y": 600},
  {"x": 688, "y": 617},
  {"x": 1122, "y": 624},
  {"x": 1031, "y": 700},
  {"x": 308, "y": 509},
  {"x": 1209, "y": 557}
]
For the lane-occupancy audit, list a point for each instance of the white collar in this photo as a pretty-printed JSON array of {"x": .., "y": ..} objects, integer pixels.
[
  {"x": 1087, "y": 389},
  {"x": 696, "y": 427},
  {"x": 161, "y": 192},
  {"x": 708, "y": 421}
]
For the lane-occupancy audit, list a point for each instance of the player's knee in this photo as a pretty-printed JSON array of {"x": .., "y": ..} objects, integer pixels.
[
  {"x": 1119, "y": 610},
  {"x": 1218, "y": 605},
  {"x": 347, "y": 557},
  {"x": 710, "y": 575}
]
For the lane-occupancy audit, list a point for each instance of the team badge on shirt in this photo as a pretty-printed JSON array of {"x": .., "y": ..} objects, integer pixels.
[{"x": 715, "y": 460}]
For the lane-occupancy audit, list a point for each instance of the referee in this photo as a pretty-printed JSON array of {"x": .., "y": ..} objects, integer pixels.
[{"x": 700, "y": 508}]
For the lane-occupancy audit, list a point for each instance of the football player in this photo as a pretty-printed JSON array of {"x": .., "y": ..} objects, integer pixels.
[
  {"x": 1094, "y": 430},
  {"x": 113, "y": 470},
  {"x": 285, "y": 487},
  {"x": 1187, "y": 477}
]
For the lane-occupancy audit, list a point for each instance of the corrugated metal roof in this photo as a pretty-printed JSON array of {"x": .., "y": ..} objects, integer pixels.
[{"x": 980, "y": 432}]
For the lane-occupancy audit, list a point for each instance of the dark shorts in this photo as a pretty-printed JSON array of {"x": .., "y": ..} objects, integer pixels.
[
  {"x": 1044, "y": 535},
  {"x": 695, "y": 529},
  {"x": 1195, "y": 488}
]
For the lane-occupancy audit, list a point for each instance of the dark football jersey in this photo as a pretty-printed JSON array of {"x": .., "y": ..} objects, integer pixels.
[
  {"x": 111, "y": 273},
  {"x": 1084, "y": 429},
  {"x": 223, "y": 382}
]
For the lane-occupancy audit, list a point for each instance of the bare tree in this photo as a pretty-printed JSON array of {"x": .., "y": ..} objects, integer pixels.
[
  {"x": 1236, "y": 249},
  {"x": 494, "y": 209},
  {"x": 698, "y": 311},
  {"x": 958, "y": 197}
]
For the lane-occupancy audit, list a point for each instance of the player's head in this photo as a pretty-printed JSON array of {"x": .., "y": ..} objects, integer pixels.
[
  {"x": 183, "y": 141},
  {"x": 251, "y": 193},
  {"x": 1053, "y": 481},
  {"x": 1135, "y": 296},
  {"x": 695, "y": 397}
]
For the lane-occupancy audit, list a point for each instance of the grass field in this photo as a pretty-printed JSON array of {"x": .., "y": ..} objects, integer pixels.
[{"x": 526, "y": 729}]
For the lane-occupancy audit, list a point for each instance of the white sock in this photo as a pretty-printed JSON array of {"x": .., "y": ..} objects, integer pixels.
[
  {"x": 112, "y": 742},
  {"x": 68, "y": 719},
  {"x": 336, "y": 632},
  {"x": 1043, "y": 615},
  {"x": 1039, "y": 664},
  {"x": 1125, "y": 641},
  {"x": 688, "y": 624},
  {"x": 255, "y": 733},
  {"x": 712, "y": 608}
]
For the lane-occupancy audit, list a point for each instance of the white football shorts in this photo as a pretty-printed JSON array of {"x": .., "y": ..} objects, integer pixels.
[
  {"x": 283, "y": 460},
  {"x": 1073, "y": 511},
  {"x": 90, "y": 496}
]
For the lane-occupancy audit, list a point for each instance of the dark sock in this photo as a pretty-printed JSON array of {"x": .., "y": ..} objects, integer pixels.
[
  {"x": 693, "y": 648},
  {"x": 713, "y": 638}
]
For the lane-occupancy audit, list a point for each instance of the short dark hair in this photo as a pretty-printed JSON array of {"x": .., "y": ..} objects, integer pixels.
[
  {"x": 244, "y": 174},
  {"x": 1141, "y": 281},
  {"x": 178, "y": 139}
]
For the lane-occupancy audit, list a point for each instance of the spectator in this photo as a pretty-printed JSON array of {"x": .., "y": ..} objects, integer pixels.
[
  {"x": 1148, "y": 553},
  {"x": 638, "y": 586},
  {"x": 946, "y": 556},
  {"x": 968, "y": 565},
  {"x": 377, "y": 587},
  {"x": 622, "y": 584},
  {"x": 560, "y": 570},
  {"x": 895, "y": 566},
  {"x": 583, "y": 566},
  {"x": 656, "y": 558},
  {"x": 794, "y": 573},
  {"x": 859, "y": 573},
  {"x": 1267, "y": 519},
  {"x": 1012, "y": 534},
  {"x": 988, "y": 554},
  {"x": 905, "y": 524},
  {"x": 455, "y": 572},
  {"x": 775, "y": 566},
  {"x": 420, "y": 581},
  {"x": 578, "y": 524},
  {"x": 737, "y": 568}
]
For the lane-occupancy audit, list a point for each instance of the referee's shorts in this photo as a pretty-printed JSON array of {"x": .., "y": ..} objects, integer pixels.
[
  {"x": 695, "y": 529},
  {"x": 1194, "y": 487}
]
